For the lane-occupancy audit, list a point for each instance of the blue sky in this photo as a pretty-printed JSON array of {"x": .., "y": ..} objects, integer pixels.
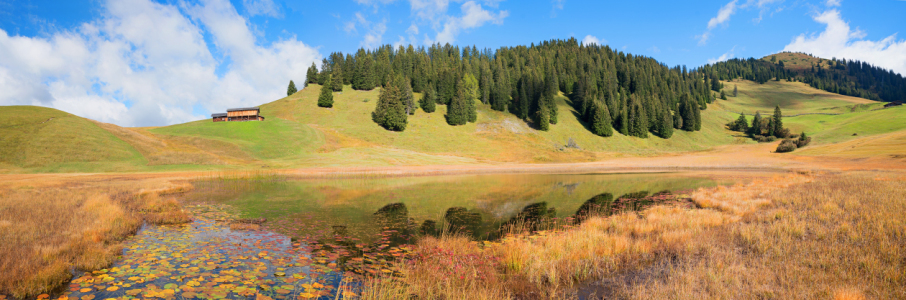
[{"x": 145, "y": 62}]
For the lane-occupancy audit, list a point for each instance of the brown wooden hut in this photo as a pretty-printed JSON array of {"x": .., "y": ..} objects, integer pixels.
[
  {"x": 244, "y": 114},
  {"x": 220, "y": 117}
]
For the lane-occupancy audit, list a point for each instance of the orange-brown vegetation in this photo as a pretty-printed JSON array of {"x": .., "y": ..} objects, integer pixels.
[
  {"x": 49, "y": 230},
  {"x": 791, "y": 237}
]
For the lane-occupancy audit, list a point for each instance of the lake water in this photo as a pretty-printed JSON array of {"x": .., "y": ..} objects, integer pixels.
[{"x": 319, "y": 236}]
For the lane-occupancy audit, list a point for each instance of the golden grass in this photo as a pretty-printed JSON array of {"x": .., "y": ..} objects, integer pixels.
[
  {"x": 793, "y": 237},
  {"x": 46, "y": 231},
  {"x": 838, "y": 237}
]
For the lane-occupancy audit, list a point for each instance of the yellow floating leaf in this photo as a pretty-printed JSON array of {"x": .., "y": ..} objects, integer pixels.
[
  {"x": 113, "y": 288},
  {"x": 306, "y": 296},
  {"x": 85, "y": 290}
]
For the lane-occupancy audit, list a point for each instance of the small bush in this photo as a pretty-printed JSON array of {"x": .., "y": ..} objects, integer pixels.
[
  {"x": 764, "y": 139},
  {"x": 786, "y": 146}
]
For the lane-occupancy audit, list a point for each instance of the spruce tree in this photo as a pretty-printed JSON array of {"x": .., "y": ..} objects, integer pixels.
[
  {"x": 543, "y": 118},
  {"x": 666, "y": 127},
  {"x": 778, "y": 123},
  {"x": 755, "y": 129},
  {"x": 677, "y": 120},
  {"x": 312, "y": 75},
  {"x": 457, "y": 111},
  {"x": 688, "y": 113},
  {"x": 291, "y": 89},
  {"x": 427, "y": 102},
  {"x": 470, "y": 84},
  {"x": 390, "y": 112},
  {"x": 473, "y": 113},
  {"x": 325, "y": 99},
  {"x": 770, "y": 127},
  {"x": 336, "y": 80},
  {"x": 735, "y": 91},
  {"x": 741, "y": 124},
  {"x": 601, "y": 123},
  {"x": 696, "y": 109},
  {"x": 408, "y": 98},
  {"x": 624, "y": 121}
]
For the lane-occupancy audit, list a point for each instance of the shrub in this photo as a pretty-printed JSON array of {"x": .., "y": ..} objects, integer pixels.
[
  {"x": 803, "y": 140},
  {"x": 786, "y": 146}
]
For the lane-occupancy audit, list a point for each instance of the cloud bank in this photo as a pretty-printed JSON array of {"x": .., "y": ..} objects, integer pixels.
[
  {"x": 148, "y": 64},
  {"x": 840, "y": 41}
]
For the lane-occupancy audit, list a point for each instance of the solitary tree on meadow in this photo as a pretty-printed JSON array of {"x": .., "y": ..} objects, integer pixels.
[
  {"x": 325, "y": 99},
  {"x": 291, "y": 89}
]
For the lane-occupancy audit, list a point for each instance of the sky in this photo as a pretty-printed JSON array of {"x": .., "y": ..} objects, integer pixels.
[{"x": 162, "y": 62}]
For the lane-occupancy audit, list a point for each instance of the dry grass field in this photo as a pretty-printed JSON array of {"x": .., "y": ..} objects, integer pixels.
[
  {"x": 49, "y": 227},
  {"x": 824, "y": 236}
]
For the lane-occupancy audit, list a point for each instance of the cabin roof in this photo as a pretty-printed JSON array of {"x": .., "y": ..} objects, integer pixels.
[
  {"x": 243, "y": 109},
  {"x": 220, "y": 115}
]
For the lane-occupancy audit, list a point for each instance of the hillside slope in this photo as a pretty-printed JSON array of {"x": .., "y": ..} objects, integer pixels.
[
  {"x": 298, "y": 134},
  {"x": 48, "y": 140}
]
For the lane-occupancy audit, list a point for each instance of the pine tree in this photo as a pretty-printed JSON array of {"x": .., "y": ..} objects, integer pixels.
[
  {"x": 778, "y": 123},
  {"x": 291, "y": 89},
  {"x": 312, "y": 75},
  {"x": 473, "y": 113},
  {"x": 427, "y": 102},
  {"x": 666, "y": 127},
  {"x": 470, "y": 84},
  {"x": 544, "y": 118},
  {"x": 457, "y": 111},
  {"x": 624, "y": 121},
  {"x": 390, "y": 112},
  {"x": 408, "y": 98},
  {"x": 336, "y": 80},
  {"x": 601, "y": 123},
  {"x": 770, "y": 127},
  {"x": 741, "y": 124},
  {"x": 723, "y": 95},
  {"x": 688, "y": 113},
  {"x": 735, "y": 91},
  {"x": 364, "y": 72},
  {"x": 696, "y": 109},
  {"x": 325, "y": 99},
  {"x": 677, "y": 121},
  {"x": 325, "y": 72},
  {"x": 755, "y": 129}
]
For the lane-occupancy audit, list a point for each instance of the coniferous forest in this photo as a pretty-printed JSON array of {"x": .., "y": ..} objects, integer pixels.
[
  {"x": 611, "y": 91},
  {"x": 841, "y": 76}
]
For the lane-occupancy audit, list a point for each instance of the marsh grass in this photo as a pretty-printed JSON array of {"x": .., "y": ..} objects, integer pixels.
[
  {"x": 837, "y": 237},
  {"x": 802, "y": 236},
  {"x": 47, "y": 232}
]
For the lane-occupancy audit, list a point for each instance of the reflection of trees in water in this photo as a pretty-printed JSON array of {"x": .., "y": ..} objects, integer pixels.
[{"x": 597, "y": 205}]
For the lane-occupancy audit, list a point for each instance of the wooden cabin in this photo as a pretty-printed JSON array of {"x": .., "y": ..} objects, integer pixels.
[
  {"x": 239, "y": 114},
  {"x": 244, "y": 114},
  {"x": 221, "y": 117},
  {"x": 892, "y": 104}
]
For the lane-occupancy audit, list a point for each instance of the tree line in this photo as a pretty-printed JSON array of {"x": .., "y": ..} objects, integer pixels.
[
  {"x": 609, "y": 90},
  {"x": 845, "y": 77}
]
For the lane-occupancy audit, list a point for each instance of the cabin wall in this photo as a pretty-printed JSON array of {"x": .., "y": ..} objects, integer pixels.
[{"x": 242, "y": 113}]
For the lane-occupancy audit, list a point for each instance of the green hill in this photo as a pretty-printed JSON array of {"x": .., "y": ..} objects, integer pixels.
[
  {"x": 298, "y": 133},
  {"x": 48, "y": 140}
]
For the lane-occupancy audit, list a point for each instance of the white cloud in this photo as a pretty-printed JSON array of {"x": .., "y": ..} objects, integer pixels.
[
  {"x": 832, "y": 3},
  {"x": 723, "y": 57},
  {"x": 723, "y": 16},
  {"x": 435, "y": 13},
  {"x": 144, "y": 63},
  {"x": 473, "y": 15},
  {"x": 590, "y": 39},
  {"x": 840, "y": 41},
  {"x": 262, "y": 8},
  {"x": 375, "y": 35},
  {"x": 557, "y": 5}
]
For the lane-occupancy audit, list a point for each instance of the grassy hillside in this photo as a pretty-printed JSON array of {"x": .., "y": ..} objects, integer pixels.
[
  {"x": 497, "y": 136},
  {"x": 48, "y": 140},
  {"x": 298, "y": 133}
]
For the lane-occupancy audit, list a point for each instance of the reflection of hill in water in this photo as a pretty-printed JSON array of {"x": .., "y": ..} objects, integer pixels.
[{"x": 321, "y": 204}]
